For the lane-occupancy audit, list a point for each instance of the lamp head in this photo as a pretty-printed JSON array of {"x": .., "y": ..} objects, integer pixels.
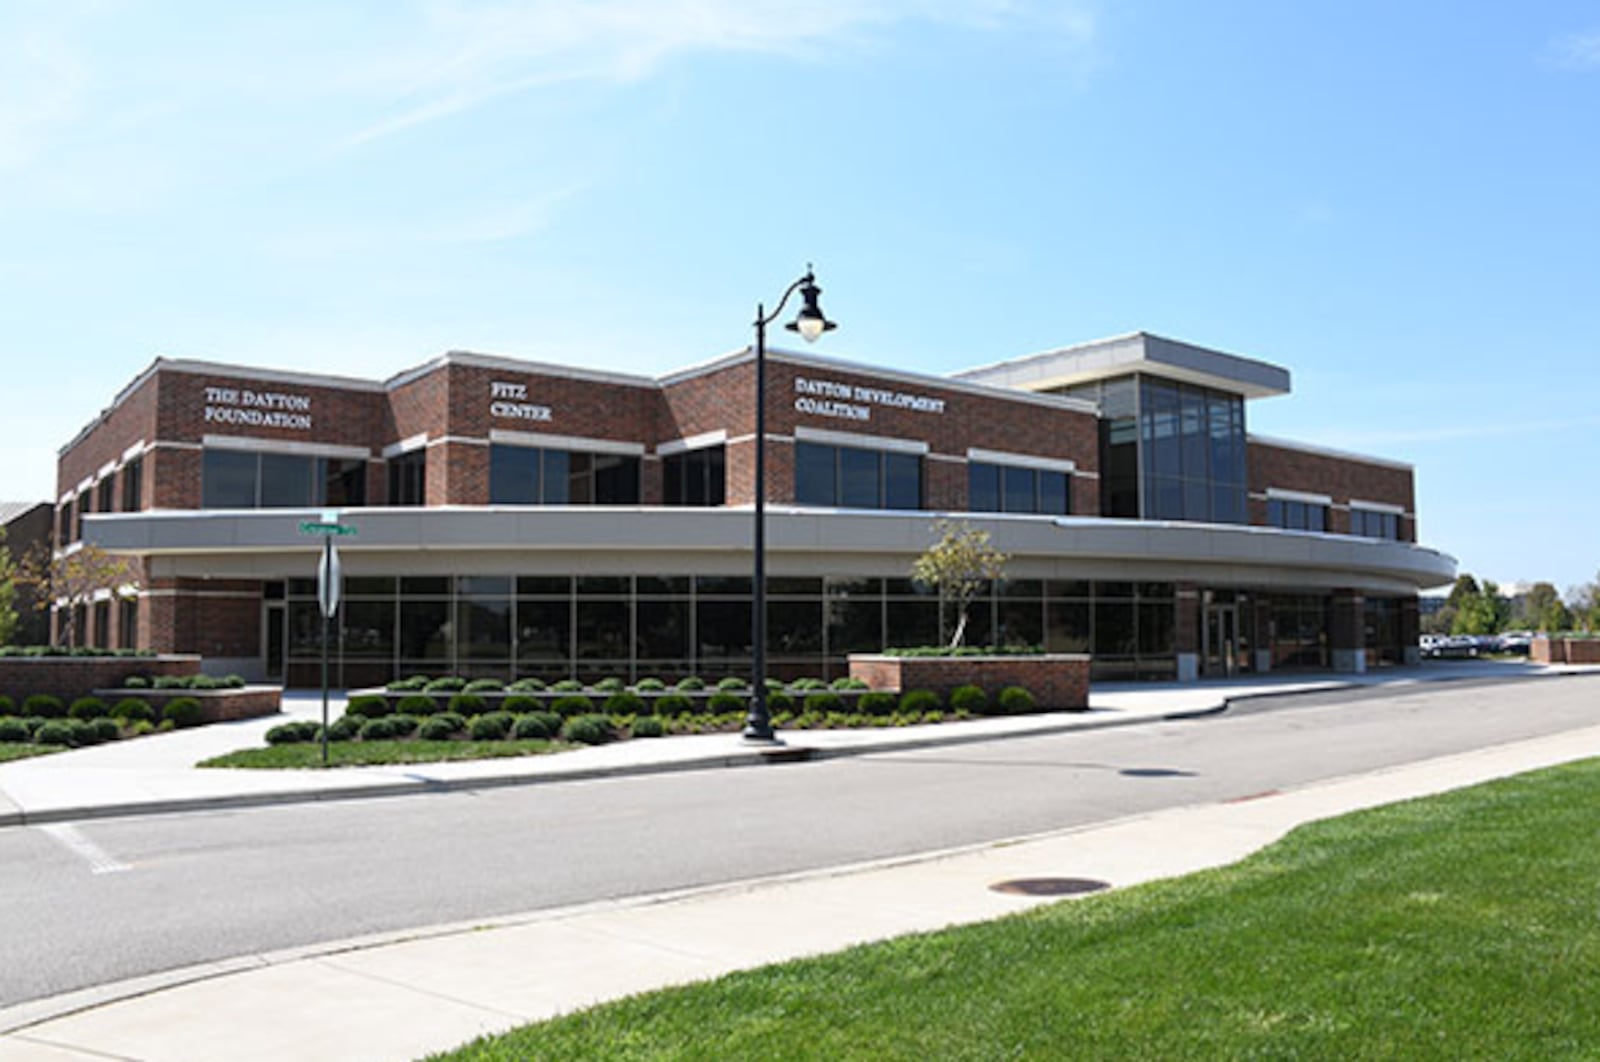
[{"x": 810, "y": 322}]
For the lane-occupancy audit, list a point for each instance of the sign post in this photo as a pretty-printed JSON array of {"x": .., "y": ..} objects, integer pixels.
[{"x": 330, "y": 580}]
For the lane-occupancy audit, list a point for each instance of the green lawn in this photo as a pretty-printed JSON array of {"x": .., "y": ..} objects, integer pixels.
[
  {"x": 11, "y": 750},
  {"x": 1462, "y": 926},
  {"x": 372, "y": 753}
]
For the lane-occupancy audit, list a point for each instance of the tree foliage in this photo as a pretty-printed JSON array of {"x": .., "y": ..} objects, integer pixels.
[
  {"x": 958, "y": 565},
  {"x": 1542, "y": 609},
  {"x": 70, "y": 579},
  {"x": 1478, "y": 609},
  {"x": 8, "y": 592}
]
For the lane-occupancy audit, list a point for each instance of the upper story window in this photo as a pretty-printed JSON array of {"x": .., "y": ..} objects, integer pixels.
[
  {"x": 1003, "y": 488},
  {"x": 530, "y": 475},
  {"x": 105, "y": 495},
  {"x": 851, "y": 477},
  {"x": 408, "y": 478},
  {"x": 246, "y": 479},
  {"x": 133, "y": 485},
  {"x": 64, "y": 523},
  {"x": 1297, "y": 514},
  {"x": 1374, "y": 523},
  {"x": 78, "y": 509},
  {"x": 695, "y": 477}
]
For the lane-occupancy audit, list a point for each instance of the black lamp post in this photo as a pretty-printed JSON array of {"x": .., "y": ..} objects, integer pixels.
[{"x": 810, "y": 323}]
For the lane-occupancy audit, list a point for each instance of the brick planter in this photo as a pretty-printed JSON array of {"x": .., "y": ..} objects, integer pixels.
[
  {"x": 71, "y": 677},
  {"x": 1058, "y": 681},
  {"x": 216, "y": 706},
  {"x": 1565, "y": 650}
]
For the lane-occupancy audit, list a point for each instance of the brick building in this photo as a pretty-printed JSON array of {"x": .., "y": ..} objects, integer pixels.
[{"x": 517, "y": 518}]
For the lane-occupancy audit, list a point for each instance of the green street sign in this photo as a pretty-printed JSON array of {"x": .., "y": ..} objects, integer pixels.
[{"x": 313, "y": 527}]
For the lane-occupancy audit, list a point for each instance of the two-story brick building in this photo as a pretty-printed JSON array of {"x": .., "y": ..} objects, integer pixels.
[{"x": 518, "y": 518}]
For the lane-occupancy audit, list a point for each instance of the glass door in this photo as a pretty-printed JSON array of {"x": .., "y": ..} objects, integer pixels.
[
  {"x": 1221, "y": 641},
  {"x": 275, "y": 623}
]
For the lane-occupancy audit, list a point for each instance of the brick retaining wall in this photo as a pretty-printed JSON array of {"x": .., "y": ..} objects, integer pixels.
[
  {"x": 1058, "y": 681},
  {"x": 71, "y": 677},
  {"x": 217, "y": 706},
  {"x": 1565, "y": 650}
]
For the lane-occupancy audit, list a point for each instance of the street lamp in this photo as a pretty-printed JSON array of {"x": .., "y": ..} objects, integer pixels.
[{"x": 810, "y": 323}]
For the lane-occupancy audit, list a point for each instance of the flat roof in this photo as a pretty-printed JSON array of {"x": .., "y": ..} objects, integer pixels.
[{"x": 1135, "y": 352}]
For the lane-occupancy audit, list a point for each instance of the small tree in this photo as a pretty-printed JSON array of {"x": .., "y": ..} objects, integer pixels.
[
  {"x": 1542, "y": 609},
  {"x": 957, "y": 566},
  {"x": 71, "y": 579},
  {"x": 8, "y": 592}
]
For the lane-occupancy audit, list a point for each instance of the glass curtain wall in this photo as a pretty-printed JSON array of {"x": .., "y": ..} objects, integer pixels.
[{"x": 561, "y": 626}]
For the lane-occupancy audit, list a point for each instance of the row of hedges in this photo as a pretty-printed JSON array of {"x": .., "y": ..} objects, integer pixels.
[
  {"x": 448, "y": 684},
  {"x": 63, "y": 650},
  {"x": 971, "y": 700},
  {"x": 89, "y": 721},
  {"x": 183, "y": 682}
]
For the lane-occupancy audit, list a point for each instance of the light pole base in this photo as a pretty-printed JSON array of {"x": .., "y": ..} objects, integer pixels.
[{"x": 756, "y": 736}]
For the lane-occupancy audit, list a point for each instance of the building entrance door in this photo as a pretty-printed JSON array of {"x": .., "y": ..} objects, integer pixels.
[
  {"x": 1221, "y": 641},
  {"x": 275, "y": 625}
]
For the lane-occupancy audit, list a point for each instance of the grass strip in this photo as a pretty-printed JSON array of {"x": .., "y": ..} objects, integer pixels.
[
  {"x": 378, "y": 753},
  {"x": 1460, "y": 926},
  {"x": 12, "y": 750}
]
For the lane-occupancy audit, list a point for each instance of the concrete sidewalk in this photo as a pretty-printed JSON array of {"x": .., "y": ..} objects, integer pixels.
[
  {"x": 157, "y": 774},
  {"x": 405, "y": 995}
]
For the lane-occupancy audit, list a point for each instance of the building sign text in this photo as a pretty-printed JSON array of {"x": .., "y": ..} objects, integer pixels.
[
  {"x": 829, "y": 398},
  {"x": 506, "y": 402},
  {"x": 258, "y": 409}
]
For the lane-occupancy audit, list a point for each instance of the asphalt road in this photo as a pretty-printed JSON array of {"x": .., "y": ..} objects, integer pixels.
[{"x": 104, "y": 900}]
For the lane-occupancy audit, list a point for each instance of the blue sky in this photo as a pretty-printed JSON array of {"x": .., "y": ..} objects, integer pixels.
[{"x": 1395, "y": 201}]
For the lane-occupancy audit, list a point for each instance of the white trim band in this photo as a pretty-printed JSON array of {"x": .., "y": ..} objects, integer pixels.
[
  {"x": 406, "y": 445},
  {"x": 1278, "y": 494},
  {"x": 1000, "y": 457},
  {"x": 1377, "y": 507},
  {"x": 704, "y": 441},
  {"x": 802, "y": 433},
  {"x": 565, "y": 442},
  {"x": 257, "y": 445}
]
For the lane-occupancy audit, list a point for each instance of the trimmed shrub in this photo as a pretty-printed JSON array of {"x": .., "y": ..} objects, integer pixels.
[
  {"x": 233, "y": 682},
  {"x": 468, "y": 704},
  {"x": 649, "y": 726},
  {"x": 692, "y": 682},
  {"x": 526, "y": 685},
  {"x": 379, "y": 729},
  {"x": 485, "y": 685},
  {"x": 87, "y": 708},
  {"x": 1016, "y": 700},
  {"x": 722, "y": 703},
  {"x": 610, "y": 684},
  {"x": 824, "y": 701},
  {"x": 567, "y": 686},
  {"x": 183, "y": 712},
  {"x": 13, "y": 729},
  {"x": 731, "y": 683},
  {"x": 345, "y": 728},
  {"x": 54, "y": 732},
  {"x": 133, "y": 710},
  {"x": 534, "y": 726},
  {"x": 623, "y": 703},
  {"x": 673, "y": 705},
  {"x": 136, "y": 682},
  {"x": 44, "y": 706},
  {"x": 441, "y": 727},
  {"x": 410, "y": 684},
  {"x": 33, "y": 723},
  {"x": 521, "y": 705},
  {"x": 492, "y": 726},
  {"x": 7, "y": 705},
  {"x": 807, "y": 685},
  {"x": 105, "y": 729},
  {"x": 446, "y": 684},
  {"x": 417, "y": 704},
  {"x": 404, "y": 725},
  {"x": 293, "y": 733},
  {"x": 877, "y": 704},
  {"x": 169, "y": 682},
  {"x": 370, "y": 706},
  {"x": 571, "y": 705},
  {"x": 916, "y": 702},
  {"x": 779, "y": 702},
  {"x": 588, "y": 729},
  {"x": 849, "y": 682},
  {"x": 649, "y": 685},
  {"x": 969, "y": 699}
]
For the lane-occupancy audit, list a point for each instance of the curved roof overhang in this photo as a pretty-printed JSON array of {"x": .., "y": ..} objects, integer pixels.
[{"x": 267, "y": 543}]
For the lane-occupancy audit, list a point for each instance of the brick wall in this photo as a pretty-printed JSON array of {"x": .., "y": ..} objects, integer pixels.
[
  {"x": 1340, "y": 478},
  {"x": 73, "y": 677},
  {"x": 1058, "y": 681}
]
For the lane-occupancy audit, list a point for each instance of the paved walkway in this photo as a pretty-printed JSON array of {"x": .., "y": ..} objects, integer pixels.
[{"x": 403, "y": 995}]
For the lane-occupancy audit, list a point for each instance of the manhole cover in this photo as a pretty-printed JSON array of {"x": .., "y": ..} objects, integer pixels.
[{"x": 1049, "y": 886}]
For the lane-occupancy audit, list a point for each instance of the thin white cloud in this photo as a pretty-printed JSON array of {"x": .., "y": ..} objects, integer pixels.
[
  {"x": 467, "y": 54},
  {"x": 1577, "y": 49},
  {"x": 43, "y": 86},
  {"x": 1505, "y": 427}
]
